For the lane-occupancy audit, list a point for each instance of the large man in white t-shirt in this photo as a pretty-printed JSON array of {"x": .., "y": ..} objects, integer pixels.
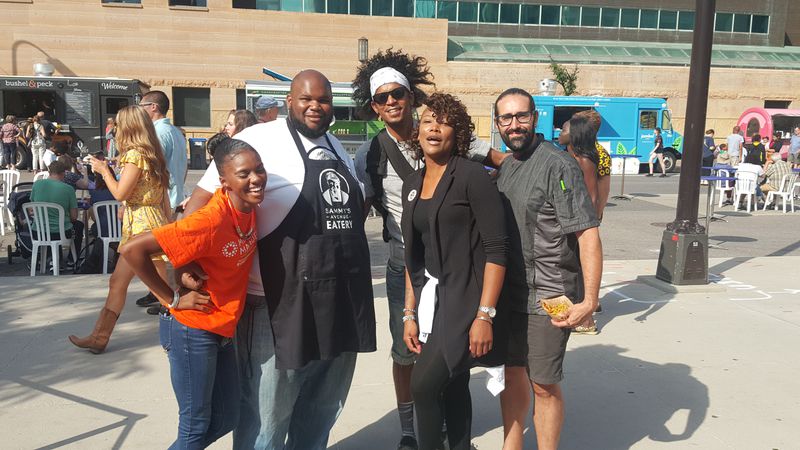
[
  {"x": 735, "y": 144},
  {"x": 309, "y": 300}
]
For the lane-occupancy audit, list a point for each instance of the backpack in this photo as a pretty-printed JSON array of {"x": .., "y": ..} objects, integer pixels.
[{"x": 383, "y": 149}]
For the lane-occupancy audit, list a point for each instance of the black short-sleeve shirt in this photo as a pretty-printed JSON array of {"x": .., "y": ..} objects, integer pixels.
[{"x": 546, "y": 203}]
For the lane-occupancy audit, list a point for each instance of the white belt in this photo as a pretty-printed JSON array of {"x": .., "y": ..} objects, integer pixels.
[{"x": 427, "y": 307}]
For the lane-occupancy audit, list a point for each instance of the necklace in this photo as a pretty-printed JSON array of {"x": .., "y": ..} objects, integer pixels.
[{"x": 243, "y": 236}]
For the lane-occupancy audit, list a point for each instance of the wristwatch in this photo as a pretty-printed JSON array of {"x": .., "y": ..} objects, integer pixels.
[{"x": 488, "y": 310}]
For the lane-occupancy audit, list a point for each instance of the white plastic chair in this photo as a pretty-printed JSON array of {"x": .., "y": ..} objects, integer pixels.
[
  {"x": 784, "y": 191},
  {"x": 8, "y": 179},
  {"x": 723, "y": 186},
  {"x": 41, "y": 176},
  {"x": 37, "y": 216},
  {"x": 109, "y": 230},
  {"x": 745, "y": 185}
]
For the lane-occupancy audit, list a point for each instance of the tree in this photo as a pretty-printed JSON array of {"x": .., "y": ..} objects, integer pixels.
[{"x": 568, "y": 79}]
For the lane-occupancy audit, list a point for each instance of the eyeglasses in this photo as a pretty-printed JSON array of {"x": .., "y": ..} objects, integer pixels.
[
  {"x": 383, "y": 97},
  {"x": 146, "y": 104},
  {"x": 522, "y": 117}
]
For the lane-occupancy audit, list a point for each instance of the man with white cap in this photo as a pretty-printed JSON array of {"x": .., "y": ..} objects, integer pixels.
[
  {"x": 267, "y": 108},
  {"x": 387, "y": 86}
]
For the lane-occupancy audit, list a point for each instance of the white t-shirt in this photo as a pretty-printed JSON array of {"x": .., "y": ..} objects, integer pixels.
[
  {"x": 735, "y": 142},
  {"x": 48, "y": 157},
  {"x": 285, "y": 174}
]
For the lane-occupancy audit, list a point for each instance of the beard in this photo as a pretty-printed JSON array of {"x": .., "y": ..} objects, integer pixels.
[
  {"x": 311, "y": 133},
  {"x": 518, "y": 143}
]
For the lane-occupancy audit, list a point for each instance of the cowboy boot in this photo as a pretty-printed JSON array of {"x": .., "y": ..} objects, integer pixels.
[{"x": 97, "y": 341}]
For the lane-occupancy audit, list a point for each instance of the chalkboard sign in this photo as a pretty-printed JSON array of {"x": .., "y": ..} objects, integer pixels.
[{"x": 79, "y": 108}]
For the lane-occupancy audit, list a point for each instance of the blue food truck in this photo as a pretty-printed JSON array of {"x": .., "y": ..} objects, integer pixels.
[{"x": 628, "y": 127}]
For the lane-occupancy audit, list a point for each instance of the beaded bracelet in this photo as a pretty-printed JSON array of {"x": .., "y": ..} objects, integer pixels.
[
  {"x": 409, "y": 317},
  {"x": 409, "y": 310}
]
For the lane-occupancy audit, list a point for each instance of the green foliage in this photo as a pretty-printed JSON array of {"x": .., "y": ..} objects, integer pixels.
[{"x": 568, "y": 79}]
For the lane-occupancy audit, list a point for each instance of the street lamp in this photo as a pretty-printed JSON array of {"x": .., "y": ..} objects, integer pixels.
[{"x": 363, "y": 49}]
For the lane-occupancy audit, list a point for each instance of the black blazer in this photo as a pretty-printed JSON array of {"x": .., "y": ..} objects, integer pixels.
[{"x": 468, "y": 229}]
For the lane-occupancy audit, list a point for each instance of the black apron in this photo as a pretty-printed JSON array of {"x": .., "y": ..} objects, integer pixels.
[{"x": 316, "y": 269}]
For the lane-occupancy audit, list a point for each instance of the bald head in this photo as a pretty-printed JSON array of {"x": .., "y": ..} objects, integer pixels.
[{"x": 310, "y": 103}]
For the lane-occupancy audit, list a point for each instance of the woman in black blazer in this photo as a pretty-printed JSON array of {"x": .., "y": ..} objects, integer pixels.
[{"x": 454, "y": 231}]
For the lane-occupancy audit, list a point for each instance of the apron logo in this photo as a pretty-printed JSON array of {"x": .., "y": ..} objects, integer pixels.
[
  {"x": 412, "y": 195},
  {"x": 334, "y": 188}
]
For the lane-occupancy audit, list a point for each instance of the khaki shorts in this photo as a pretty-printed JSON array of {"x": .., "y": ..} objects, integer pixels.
[{"x": 536, "y": 344}]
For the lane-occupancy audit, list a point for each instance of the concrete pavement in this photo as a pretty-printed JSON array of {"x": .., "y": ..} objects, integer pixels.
[{"x": 712, "y": 370}]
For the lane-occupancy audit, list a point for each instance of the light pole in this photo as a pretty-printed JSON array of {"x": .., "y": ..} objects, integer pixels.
[
  {"x": 683, "y": 258},
  {"x": 363, "y": 49}
]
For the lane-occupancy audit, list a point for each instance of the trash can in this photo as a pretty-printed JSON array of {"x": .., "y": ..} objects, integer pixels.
[{"x": 197, "y": 153}]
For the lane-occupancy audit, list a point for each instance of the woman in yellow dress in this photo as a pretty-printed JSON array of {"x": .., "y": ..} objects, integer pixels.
[{"x": 142, "y": 188}]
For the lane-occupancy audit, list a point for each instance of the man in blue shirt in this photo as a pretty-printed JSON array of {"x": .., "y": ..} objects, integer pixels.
[
  {"x": 172, "y": 142},
  {"x": 794, "y": 148}
]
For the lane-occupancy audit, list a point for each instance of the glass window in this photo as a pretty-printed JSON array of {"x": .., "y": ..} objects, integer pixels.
[
  {"x": 686, "y": 20},
  {"x": 317, "y": 6},
  {"x": 630, "y": 18},
  {"x": 291, "y": 5},
  {"x": 424, "y": 8},
  {"x": 403, "y": 8},
  {"x": 570, "y": 15},
  {"x": 489, "y": 12},
  {"x": 550, "y": 15},
  {"x": 359, "y": 7},
  {"x": 649, "y": 19},
  {"x": 136, "y": 2},
  {"x": 114, "y": 104},
  {"x": 192, "y": 107},
  {"x": 610, "y": 17},
  {"x": 666, "y": 120},
  {"x": 200, "y": 3},
  {"x": 381, "y": 7},
  {"x": 647, "y": 120},
  {"x": 509, "y": 13},
  {"x": 337, "y": 7},
  {"x": 741, "y": 23},
  {"x": 271, "y": 5},
  {"x": 446, "y": 10},
  {"x": 590, "y": 17},
  {"x": 467, "y": 12},
  {"x": 668, "y": 20},
  {"x": 760, "y": 24},
  {"x": 724, "y": 22},
  {"x": 530, "y": 14}
]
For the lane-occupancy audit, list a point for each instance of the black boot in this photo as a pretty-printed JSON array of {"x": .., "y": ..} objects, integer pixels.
[{"x": 147, "y": 300}]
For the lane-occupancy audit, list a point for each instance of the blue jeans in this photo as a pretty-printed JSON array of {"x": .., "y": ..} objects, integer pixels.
[
  {"x": 205, "y": 379},
  {"x": 285, "y": 409}
]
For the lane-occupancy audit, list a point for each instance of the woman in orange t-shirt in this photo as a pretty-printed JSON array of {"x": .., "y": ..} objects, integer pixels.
[{"x": 197, "y": 331}]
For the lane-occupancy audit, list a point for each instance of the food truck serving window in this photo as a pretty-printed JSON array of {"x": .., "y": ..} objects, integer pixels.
[
  {"x": 80, "y": 112},
  {"x": 28, "y": 103}
]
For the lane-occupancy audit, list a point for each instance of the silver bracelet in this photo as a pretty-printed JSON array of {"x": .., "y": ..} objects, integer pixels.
[
  {"x": 409, "y": 317},
  {"x": 176, "y": 298},
  {"x": 409, "y": 310},
  {"x": 484, "y": 319}
]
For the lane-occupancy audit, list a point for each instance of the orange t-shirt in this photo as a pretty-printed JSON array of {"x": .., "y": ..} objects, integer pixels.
[{"x": 208, "y": 236}]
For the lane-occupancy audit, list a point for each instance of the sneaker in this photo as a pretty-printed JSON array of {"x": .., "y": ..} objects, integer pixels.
[
  {"x": 407, "y": 443},
  {"x": 156, "y": 310},
  {"x": 663, "y": 175},
  {"x": 591, "y": 330},
  {"x": 649, "y": 175},
  {"x": 147, "y": 300}
]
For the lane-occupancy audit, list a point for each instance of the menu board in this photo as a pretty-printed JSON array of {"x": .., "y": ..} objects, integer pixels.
[{"x": 79, "y": 108}]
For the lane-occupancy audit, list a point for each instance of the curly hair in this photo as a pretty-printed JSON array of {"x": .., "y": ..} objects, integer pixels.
[
  {"x": 414, "y": 68},
  {"x": 448, "y": 109}
]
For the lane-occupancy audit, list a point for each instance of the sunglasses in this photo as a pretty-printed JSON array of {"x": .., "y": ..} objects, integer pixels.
[{"x": 383, "y": 97}]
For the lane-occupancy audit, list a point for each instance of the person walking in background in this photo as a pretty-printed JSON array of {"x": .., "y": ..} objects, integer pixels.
[
  {"x": 173, "y": 147},
  {"x": 709, "y": 150},
  {"x": 197, "y": 329},
  {"x": 794, "y": 148},
  {"x": 735, "y": 142},
  {"x": 238, "y": 120},
  {"x": 38, "y": 144},
  {"x": 454, "y": 229},
  {"x": 111, "y": 145},
  {"x": 657, "y": 152},
  {"x": 143, "y": 188},
  {"x": 267, "y": 108},
  {"x": 9, "y": 133}
]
